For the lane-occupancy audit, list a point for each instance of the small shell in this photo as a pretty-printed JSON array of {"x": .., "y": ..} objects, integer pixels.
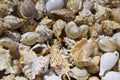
[
  {"x": 111, "y": 76},
  {"x": 58, "y": 28},
  {"x": 72, "y": 31},
  {"x": 9, "y": 43},
  {"x": 115, "y": 15},
  {"x": 107, "y": 44},
  {"x": 109, "y": 26},
  {"x": 44, "y": 33},
  {"x": 88, "y": 5},
  {"x": 64, "y": 14},
  {"x": 29, "y": 38},
  {"x": 14, "y": 21},
  {"x": 54, "y": 5},
  {"x": 102, "y": 13},
  {"x": 107, "y": 61},
  {"x": 74, "y": 5},
  {"x": 84, "y": 30},
  {"x": 51, "y": 77},
  {"x": 93, "y": 78}
]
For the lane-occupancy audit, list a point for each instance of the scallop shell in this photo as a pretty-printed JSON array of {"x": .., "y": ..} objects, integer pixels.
[
  {"x": 109, "y": 26},
  {"x": 111, "y": 76},
  {"x": 54, "y": 5},
  {"x": 44, "y": 33},
  {"x": 107, "y": 44},
  {"x": 115, "y": 14},
  {"x": 14, "y": 21},
  {"x": 72, "y": 31},
  {"x": 64, "y": 14},
  {"x": 29, "y": 38},
  {"x": 74, "y": 5},
  {"x": 107, "y": 61}
]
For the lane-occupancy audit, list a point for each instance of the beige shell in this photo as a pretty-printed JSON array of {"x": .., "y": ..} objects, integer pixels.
[
  {"x": 29, "y": 38},
  {"x": 84, "y": 17},
  {"x": 44, "y": 33},
  {"x": 72, "y": 31},
  {"x": 107, "y": 44},
  {"x": 82, "y": 50},
  {"x": 58, "y": 28},
  {"x": 10, "y": 44},
  {"x": 93, "y": 78},
  {"x": 14, "y": 21},
  {"x": 115, "y": 15},
  {"x": 102, "y": 13},
  {"x": 74, "y": 5},
  {"x": 64, "y": 14},
  {"x": 109, "y": 26}
]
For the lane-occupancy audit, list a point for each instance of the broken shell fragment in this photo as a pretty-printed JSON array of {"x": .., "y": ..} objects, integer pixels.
[{"x": 107, "y": 61}]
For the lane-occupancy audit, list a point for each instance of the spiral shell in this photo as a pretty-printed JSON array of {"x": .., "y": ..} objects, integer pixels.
[{"x": 72, "y": 31}]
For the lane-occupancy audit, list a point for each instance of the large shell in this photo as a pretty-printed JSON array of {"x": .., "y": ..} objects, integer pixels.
[
  {"x": 107, "y": 61},
  {"x": 74, "y": 5},
  {"x": 14, "y": 21},
  {"x": 64, "y": 14},
  {"x": 115, "y": 15},
  {"x": 109, "y": 26},
  {"x": 111, "y": 76},
  {"x": 29, "y": 38},
  {"x": 107, "y": 44},
  {"x": 72, "y": 31},
  {"x": 44, "y": 33}
]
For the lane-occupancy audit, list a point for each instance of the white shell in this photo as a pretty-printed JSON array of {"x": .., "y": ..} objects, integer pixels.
[
  {"x": 54, "y": 4},
  {"x": 52, "y": 77},
  {"x": 108, "y": 60},
  {"x": 112, "y": 76}
]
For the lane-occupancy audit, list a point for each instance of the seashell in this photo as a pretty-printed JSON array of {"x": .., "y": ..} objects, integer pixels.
[
  {"x": 26, "y": 9},
  {"x": 107, "y": 61},
  {"x": 111, "y": 76},
  {"x": 29, "y": 38},
  {"x": 51, "y": 77},
  {"x": 109, "y": 26},
  {"x": 93, "y": 78},
  {"x": 84, "y": 17},
  {"x": 72, "y": 31},
  {"x": 10, "y": 44},
  {"x": 107, "y": 44},
  {"x": 115, "y": 14},
  {"x": 64, "y": 14},
  {"x": 58, "y": 28},
  {"x": 8, "y": 77},
  {"x": 40, "y": 7},
  {"x": 20, "y": 78},
  {"x": 44, "y": 33},
  {"x": 14, "y": 35},
  {"x": 74, "y": 5},
  {"x": 69, "y": 43},
  {"x": 82, "y": 50},
  {"x": 29, "y": 26},
  {"x": 54, "y": 5},
  {"x": 79, "y": 74},
  {"x": 14, "y": 21},
  {"x": 88, "y": 5},
  {"x": 102, "y": 13}
]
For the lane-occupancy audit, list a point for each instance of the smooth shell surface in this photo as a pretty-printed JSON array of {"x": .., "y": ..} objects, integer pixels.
[{"x": 107, "y": 61}]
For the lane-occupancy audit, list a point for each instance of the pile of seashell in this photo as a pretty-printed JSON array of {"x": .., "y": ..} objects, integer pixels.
[{"x": 59, "y": 39}]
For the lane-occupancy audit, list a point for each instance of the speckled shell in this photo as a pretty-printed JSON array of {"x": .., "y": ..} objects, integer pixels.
[
  {"x": 14, "y": 21},
  {"x": 107, "y": 61},
  {"x": 69, "y": 43},
  {"x": 54, "y": 5},
  {"x": 111, "y": 76}
]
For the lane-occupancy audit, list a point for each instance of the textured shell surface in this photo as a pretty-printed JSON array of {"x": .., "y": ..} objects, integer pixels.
[
  {"x": 51, "y": 77},
  {"x": 72, "y": 31},
  {"x": 112, "y": 75},
  {"x": 117, "y": 37},
  {"x": 107, "y": 61},
  {"x": 14, "y": 21},
  {"x": 54, "y": 4},
  {"x": 29, "y": 38},
  {"x": 69, "y": 43},
  {"x": 44, "y": 33},
  {"x": 106, "y": 43}
]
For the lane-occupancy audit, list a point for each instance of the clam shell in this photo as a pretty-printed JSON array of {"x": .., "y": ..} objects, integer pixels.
[
  {"x": 111, "y": 76},
  {"x": 107, "y": 61}
]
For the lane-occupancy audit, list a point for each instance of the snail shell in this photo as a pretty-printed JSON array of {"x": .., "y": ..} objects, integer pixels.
[
  {"x": 111, "y": 76},
  {"x": 107, "y": 61},
  {"x": 72, "y": 31}
]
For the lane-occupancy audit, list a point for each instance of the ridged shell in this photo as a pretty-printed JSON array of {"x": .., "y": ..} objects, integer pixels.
[{"x": 107, "y": 61}]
